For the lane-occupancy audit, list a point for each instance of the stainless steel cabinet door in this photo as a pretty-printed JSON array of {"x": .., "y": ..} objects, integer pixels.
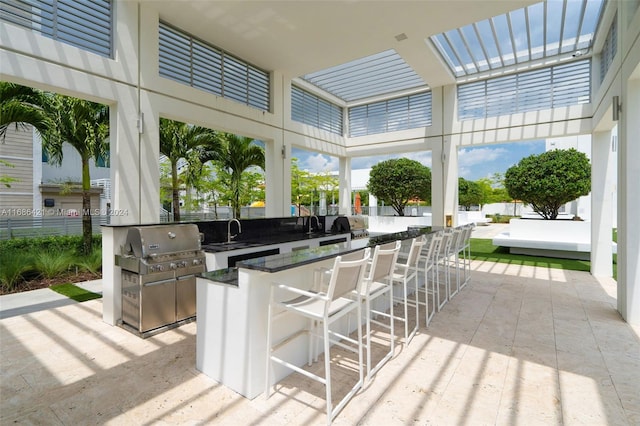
[
  {"x": 186, "y": 297},
  {"x": 158, "y": 304}
]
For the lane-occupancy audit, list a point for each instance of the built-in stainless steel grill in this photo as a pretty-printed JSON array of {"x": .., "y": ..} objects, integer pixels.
[
  {"x": 356, "y": 225},
  {"x": 159, "y": 265}
]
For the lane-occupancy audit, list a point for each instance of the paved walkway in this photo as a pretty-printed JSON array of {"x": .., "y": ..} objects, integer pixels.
[
  {"x": 37, "y": 300},
  {"x": 518, "y": 346},
  {"x": 489, "y": 231}
]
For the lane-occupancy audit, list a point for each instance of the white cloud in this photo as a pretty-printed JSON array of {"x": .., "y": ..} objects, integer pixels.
[
  {"x": 471, "y": 157},
  {"x": 316, "y": 163}
]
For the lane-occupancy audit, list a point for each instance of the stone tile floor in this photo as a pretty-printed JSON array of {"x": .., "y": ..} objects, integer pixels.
[{"x": 518, "y": 345}]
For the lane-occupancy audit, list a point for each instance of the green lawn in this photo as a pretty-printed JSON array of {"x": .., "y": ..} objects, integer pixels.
[
  {"x": 483, "y": 249},
  {"x": 74, "y": 292}
]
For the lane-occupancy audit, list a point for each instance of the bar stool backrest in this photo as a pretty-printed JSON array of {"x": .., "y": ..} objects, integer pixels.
[
  {"x": 414, "y": 251},
  {"x": 347, "y": 275},
  {"x": 433, "y": 247},
  {"x": 384, "y": 260},
  {"x": 456, "y": 238},
  {"x": 444, "y": 244}
]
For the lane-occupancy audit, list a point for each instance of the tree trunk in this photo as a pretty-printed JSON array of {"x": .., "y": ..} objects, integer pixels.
[
  {"x": 236, "y": 196},
  {"x": 175, "y": 191},
  {"x": 87, "y": 233}
]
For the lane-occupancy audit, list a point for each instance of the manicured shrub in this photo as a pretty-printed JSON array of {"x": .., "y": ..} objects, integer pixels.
[
  {"x": 13, "y": 268},
  {"x": 50, "y": 264},
  {"x": 50, "y": 243},
  {"x": 91, "y": 263}
]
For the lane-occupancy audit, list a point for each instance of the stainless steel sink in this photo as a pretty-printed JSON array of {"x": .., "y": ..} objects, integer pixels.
[{"x": 233, "y": 245}]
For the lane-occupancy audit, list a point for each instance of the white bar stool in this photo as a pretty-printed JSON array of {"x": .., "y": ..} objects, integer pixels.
[{"x": 321, "y": 309}]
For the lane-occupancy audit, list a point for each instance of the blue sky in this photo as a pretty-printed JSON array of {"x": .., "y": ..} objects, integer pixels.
[{"x": 474, "y": 163}]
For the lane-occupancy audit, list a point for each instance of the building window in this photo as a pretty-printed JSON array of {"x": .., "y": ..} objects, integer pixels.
[
  {"x": 309, "y": 109},
  {"x": 609, "y": 49},
  {"x": 552, "y": 87},
  {"x": 86, "y": 24},
  {"x": 193, "y": 62},
  {"x": 407, "y": 112}
]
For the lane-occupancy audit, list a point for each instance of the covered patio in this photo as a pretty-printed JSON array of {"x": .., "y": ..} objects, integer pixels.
[{"x": 518, "y": 345}]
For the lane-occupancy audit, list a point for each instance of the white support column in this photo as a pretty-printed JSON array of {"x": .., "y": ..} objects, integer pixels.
[
  {"x": 278, "y": 178},
  {"x": 373, "y": 205},
  {"x": 344, "y": 206},
  {"x": 126, "y": 195},
  {"x": 450, "y": 180},
  {"x": 149, "y": 163},
  {"x": 444, "y": 183},
  {"x": 437, "y": 186},
  {"x": 629, "y": 201},
  {"x": 602, "y": 176}
]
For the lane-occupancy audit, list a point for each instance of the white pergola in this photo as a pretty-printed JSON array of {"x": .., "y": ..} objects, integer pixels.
[{"x": 301, "y": 42}]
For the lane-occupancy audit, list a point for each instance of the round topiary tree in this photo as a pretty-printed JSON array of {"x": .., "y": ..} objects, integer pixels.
[
  {"x": 469, "y": 193},
  {"x": 549, "y": 180},
  {"x": 399, "y": 180}
]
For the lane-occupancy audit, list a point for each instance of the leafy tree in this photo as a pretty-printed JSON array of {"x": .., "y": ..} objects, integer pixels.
[
  {"x": 60, "y": 119},
  {"x": 236, "y": 155},
  {"x": 21, "y": 105},
  {"x": 327, "y": 183},
  {"x": 301, "y": 186},
  {"x": 253, "y": 186},
  {"x": 549, "y": 180},
  {"x": 496, "y": 194},
  {"x": 166, "y": 190},
  {"x": 306, "y": 186},
  {"x": 85, "y": 126},
  {"x": 399, "y": 180},
  {"x": 183, "y": 141},
  {"x": 469, "y": 193},
  {"x": 484, "y": 184}
]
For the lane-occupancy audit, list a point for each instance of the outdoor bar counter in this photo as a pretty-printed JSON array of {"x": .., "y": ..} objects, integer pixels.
[{"x": 232, "y": 306}]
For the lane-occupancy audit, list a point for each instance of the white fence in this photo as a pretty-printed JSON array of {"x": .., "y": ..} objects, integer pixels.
[{"x": 20, "y": 227}]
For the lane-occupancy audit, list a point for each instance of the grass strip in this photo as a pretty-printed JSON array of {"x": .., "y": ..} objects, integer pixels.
[
  {"x": 483, "y": 249},
  {"x": 74, "y": 292}
]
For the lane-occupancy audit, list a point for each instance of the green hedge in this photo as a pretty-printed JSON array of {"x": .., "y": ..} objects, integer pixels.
[{"x": 51, "y": 243}]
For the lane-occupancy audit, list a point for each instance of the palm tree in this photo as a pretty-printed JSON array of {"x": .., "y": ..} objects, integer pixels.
[
  {"x": 21, "y": 105},
  {"x": 237, "y": 155},
  {"x": 85, "y": 126},
  {"x": 182, "y": 141}
]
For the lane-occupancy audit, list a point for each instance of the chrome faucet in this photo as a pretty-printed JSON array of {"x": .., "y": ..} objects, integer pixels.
[
  {"x": 317, "y": 222},
  {"x": 229, "y": 236}
]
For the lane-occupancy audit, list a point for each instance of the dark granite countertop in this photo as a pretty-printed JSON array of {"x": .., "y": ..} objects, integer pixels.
[
  {"x": 225, "y": 276},
  {"x": 266, "y": 241},
  {"x": 280, "y": 262}
]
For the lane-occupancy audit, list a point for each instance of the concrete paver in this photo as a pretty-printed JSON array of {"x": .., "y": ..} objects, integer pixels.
[{"x": 518, "y": 345}]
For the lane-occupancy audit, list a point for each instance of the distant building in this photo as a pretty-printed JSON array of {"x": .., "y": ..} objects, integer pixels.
[{"x": 42, "y": 188}]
